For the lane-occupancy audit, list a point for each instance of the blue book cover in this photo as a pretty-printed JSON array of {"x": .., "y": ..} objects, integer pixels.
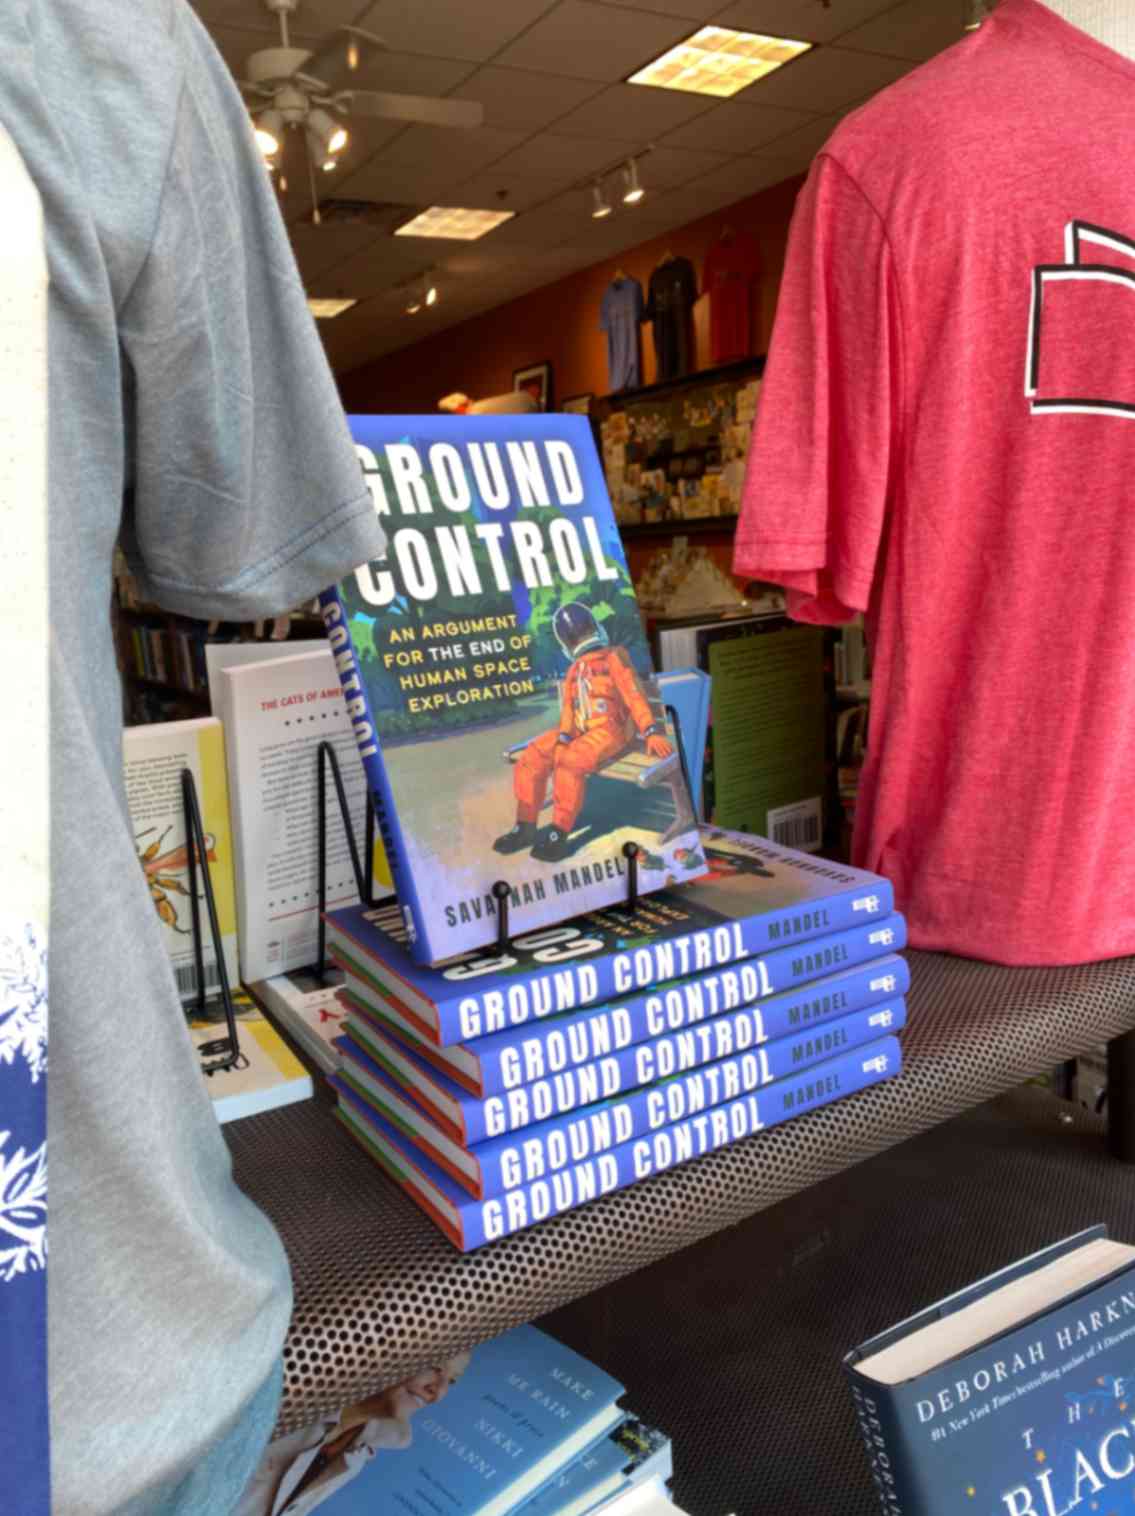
[
  {"x": 687, "y": 692},
  {"x": 756, "y": 896},
  {"x": 503, "y": 1061},
  {"x": 470, "y": 1223},
  {"x": 499, "y": 681},
  {"x": 642, "y": 1087},
  {"x": 524, "y": 1406},
  {"x": 631, "y": 1454},
  {"x": 1034, "y": 1420}
]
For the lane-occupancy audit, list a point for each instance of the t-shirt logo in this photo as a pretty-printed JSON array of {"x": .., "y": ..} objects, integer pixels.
[{"x": 1081, "y": 357}]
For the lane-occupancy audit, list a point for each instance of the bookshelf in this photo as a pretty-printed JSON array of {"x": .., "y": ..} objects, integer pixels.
[{"x": 380, "y": 1291}]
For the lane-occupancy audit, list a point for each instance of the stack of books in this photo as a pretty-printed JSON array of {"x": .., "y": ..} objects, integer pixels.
[{"x": 499, "y": 1090}]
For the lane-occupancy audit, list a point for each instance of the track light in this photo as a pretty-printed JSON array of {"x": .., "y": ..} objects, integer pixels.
[
  {"x": 269, "y": 131},
  {"x": 600, "y": 205},
  {"x": 423, "y": 293},
  {"x": 431, "y": 295},
  {"x": 330, "y": 164},
  {"x": 632, "y": 188},
  {"x": 328, "y": 133}
]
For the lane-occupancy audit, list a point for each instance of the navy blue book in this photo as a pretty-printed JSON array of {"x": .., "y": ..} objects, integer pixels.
[
  {"x": 1013, "y": 1397},
  {"x": 523, "y": 1407},
  {"x": 756, "y": 896},
  {"x": 495, "y": 1144},
  {"x": 470, "y": 1223}
]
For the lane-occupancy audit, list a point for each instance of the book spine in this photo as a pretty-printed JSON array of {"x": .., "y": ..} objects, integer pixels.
[
  {"x": 489, "y": 1220},
  {"x": 891, "y": 1468},
  {"x": 509, "y": 1059},
  {"x": 693, "y": 1080},
  {"x": 609, "y": 976},
  {"x": 334, "y": 616}
]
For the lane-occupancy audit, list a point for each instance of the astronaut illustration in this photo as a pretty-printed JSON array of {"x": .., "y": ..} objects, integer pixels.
[{"x": 603, "y": 707}]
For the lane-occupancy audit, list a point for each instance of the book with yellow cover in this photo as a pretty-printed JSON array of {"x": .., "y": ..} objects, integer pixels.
[{"x": 266, "y": 1074}]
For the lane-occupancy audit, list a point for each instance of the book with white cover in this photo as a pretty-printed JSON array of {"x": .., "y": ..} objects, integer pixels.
[
  {"x": 277, "y": 712},
  {"x": 308, "y": 1010}
]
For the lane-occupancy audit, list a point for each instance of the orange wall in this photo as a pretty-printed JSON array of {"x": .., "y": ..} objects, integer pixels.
[{"x": 560, "y": 322}]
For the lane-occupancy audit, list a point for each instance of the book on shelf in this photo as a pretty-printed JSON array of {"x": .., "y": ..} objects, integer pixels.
[
  {"x": 543, "y": 1050},
  {"x": 755, "y": 895},
  {"x": 1012, "y": 1396},
  {"x": 277, "y": 711},
  {"x": 490, "y": 1146},
  {"x": 494, "y": 664},
  {"x": 308, "y": 1009},
  {"x": 523, "y": 1409},
  {"x": 471, "y": 1223},
  {"x": 154, "y": 758},
  {"x": 632, "y": 1454},
  {"x": 679, "y": 641},
  {"x": 267, "y": 1073}
]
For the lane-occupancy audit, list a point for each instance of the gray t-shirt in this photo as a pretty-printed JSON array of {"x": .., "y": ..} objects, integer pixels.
[{"x": 187, "y": 378}]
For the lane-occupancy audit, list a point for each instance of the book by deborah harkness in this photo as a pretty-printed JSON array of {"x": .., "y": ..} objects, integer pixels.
[
  {"x": 500, "y": 683},
  {"x": 1015, "y": 1397},
  {"x": 755, "y": 896}
]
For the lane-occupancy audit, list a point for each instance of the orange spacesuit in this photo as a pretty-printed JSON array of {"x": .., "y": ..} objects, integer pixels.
[{"x": 603, "y": 707}]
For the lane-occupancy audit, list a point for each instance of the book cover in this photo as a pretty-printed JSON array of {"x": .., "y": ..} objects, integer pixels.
[
  {"x": 502, "y": 1061},
  {"x": 277, "y": 712},
  {"x": 686, "y": 691},
  {"x": 307, "y": 1010},
  {"x": 497, "y": 1144},
  {"x": 267, "y": 1073},
  {"x": 154, "y": 757},
  {"x": 500, "y": 683},
  {"x": 756, "y": 895},
  {"x": 470, "y": 1223},
  {"x": 632, "y": 1453},
  {"x": 1040, "y": 1421},
  {"x": 525, "y": 1406}
]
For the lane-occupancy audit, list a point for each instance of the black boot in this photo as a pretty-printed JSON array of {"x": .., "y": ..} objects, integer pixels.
[
  {"x": 522, "y": 835},
  {"x": 553, "y": 847}
]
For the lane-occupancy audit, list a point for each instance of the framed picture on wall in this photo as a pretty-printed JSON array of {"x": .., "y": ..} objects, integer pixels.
[
  {"x": 577, "y": 405},
  {"x": 535, "y": 380}
]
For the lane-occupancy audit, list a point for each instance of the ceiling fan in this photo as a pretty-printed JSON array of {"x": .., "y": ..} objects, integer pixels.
[{"x": 303, "y": 91}]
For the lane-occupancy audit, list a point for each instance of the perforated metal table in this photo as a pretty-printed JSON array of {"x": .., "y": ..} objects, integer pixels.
[{"x": 380, "y": 1291}]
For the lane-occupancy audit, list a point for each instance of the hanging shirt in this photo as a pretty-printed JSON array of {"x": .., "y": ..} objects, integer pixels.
[
  {"x": 620, "y": 313},
  {"x": 184, "y": 369},
  {"x": 946, "y": 439},
  {"x": 673, "y": 290},
  {"x": 731, "y": 266}
]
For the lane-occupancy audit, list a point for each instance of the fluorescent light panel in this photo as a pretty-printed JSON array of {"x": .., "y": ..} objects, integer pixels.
[
  {"x": 453, "y": 223},
  {"x": 719, "y": 61},
  {"x": 323, "y": 310}
]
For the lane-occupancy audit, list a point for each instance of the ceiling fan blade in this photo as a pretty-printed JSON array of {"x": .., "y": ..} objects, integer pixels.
[
  {"x": 427, "y": 109},
  {"x": 341, "y": 57}
]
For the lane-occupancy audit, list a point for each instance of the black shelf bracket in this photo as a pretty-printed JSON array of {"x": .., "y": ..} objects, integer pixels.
[{"x": 223, "y": 1052}]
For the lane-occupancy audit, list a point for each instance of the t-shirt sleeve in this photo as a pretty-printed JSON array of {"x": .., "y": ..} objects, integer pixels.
[
  {"x": 244, "y": 493},
  {"x": 826, "y": 440}
]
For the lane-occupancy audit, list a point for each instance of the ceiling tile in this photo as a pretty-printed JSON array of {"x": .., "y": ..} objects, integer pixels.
[
  {"x": 312, "y": 19},
  {"x": 492, "y": 190},
  {"x": 689, "y": 10},
  {"x": 378, "y": 180},
  {"x": 553, "y": 156},
  {"x": 805, "y": 20},
  {"x": 807, "y": 139},
  {"x": 586, "y": 40},
  {"x": 459, "y": 153},
  {"x": 675, "y": 165},
  {"x": 381, "y": 266},
  {"x": 632, "y": 110},
  {"x": 916, "y": 30},
  {"x": 319, "y": 248},
  {"x": 453, "y": 28},
  {"x": 732, "y": 127},
  {"x": 519, "y": 100},
  {"x": 741, "y": 177},
  {"x": 827, "y": 79}
]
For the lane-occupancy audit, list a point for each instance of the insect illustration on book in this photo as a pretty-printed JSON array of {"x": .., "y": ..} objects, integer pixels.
[{"x": 161, "y": 870}]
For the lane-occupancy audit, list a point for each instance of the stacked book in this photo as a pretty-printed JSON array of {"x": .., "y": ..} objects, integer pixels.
[{"x": 501, "y": 1090}]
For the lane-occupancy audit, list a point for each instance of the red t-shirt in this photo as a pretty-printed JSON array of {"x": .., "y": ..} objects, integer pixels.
[
  {"x": 946, "y": 440},
  {"x": 731, "y": 265}
]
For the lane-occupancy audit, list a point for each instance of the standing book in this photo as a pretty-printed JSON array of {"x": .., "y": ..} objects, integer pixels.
[
  {"x": 1012, "y": 1397},
  {"x": 524, "y": 1408},
  {"x": 499, "y": 681},
  {"x": 756, "y": 895}
]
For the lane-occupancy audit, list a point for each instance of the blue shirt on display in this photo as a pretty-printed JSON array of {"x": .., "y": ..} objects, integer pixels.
[{"x": 620, "y": 313}]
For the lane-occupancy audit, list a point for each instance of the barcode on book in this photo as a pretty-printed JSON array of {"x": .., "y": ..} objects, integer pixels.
[
  {"x": 798, "y": 825},
  {"x": 187, "y": 978}
]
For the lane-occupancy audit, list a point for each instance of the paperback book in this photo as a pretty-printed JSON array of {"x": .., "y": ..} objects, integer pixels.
[
  {"x": 266, "y": 1075},
  {"x": 512, "y": 1141},
  {"x": 499, "y": 681},
  {"x": 503, "y": 1061},
  {"x": 755, "y": 896},
  {"x": 1012, "y": 1397},
  {"x": 631, "y": 1454},
  {"x": 470, "y": 1223},
  {"x": 308, "y": 1010}
]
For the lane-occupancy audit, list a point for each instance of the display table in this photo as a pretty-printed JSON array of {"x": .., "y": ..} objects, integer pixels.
[{"x": 381, "y": 1292}]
